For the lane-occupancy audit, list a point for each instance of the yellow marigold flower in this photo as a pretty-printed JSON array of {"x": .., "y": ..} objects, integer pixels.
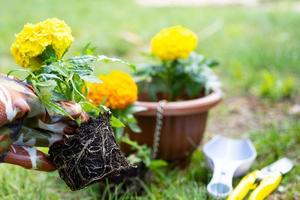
[
  {"x": 118, "y": 90},
  {"x": 34, "y": 38},
  {"x": 173, "y": 43}
]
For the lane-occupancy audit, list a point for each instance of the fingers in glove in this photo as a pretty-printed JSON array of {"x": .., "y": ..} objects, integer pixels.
[
  {"x": 8, "y": 134},
  {"x": 27, "y": 157},
  {"x": 63, "y": 128},
  {"x": 33, "y": 137},
  {"x": 60, "y": 124},
  {"x": 17, "y": 100}
]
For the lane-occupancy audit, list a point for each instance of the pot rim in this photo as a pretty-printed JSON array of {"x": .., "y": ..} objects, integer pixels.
[{"x": 187, "y": 107}]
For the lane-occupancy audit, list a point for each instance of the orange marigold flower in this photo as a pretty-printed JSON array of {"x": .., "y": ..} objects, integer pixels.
[{"x": 118, "y": 90}]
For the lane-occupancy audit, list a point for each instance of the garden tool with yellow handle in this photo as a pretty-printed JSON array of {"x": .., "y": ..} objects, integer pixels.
[{"x": 263, "y": 182}]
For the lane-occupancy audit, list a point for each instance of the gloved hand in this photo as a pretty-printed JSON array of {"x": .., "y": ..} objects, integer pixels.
[{"x": 25, "y": 124}]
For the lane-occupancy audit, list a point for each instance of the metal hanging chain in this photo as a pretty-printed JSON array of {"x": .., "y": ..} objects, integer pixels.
[{"x": 158, "y": 126}]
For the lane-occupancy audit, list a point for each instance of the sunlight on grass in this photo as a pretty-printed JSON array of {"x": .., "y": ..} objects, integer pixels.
[{"x": 19, "y": 183}]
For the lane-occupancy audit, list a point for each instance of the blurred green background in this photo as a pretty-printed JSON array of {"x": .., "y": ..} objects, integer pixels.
[{"x": 258, "y": 49}]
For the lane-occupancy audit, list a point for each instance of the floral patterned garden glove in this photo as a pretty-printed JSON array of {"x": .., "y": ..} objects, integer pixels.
[{"x": 25, "y": 124}]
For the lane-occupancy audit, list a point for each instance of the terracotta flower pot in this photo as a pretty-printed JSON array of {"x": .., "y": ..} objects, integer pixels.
[{"x": 182, "y": 128}]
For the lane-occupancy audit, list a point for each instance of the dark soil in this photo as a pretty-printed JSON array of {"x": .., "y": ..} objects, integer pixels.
[{"x": 90, "y": 155}]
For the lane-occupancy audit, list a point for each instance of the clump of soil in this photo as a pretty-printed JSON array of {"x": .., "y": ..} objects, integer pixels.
[{"x": 90, "y": 155}]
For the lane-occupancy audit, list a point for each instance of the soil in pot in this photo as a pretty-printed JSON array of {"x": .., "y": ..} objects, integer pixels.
[{"x": 90, "y": 155}]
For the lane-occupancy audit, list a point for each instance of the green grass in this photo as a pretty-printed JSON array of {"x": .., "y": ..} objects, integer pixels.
[
  {"x": 18, "y": 183},
  {"x": 246, "y": 41},
  {"x": 271, "y": 144}
]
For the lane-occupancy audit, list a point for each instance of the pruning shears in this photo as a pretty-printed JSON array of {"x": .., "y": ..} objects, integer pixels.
[{"x": 263, "y": 182}]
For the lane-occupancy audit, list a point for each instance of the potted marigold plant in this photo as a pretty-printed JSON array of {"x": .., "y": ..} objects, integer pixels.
[{"x": 177, "y": 90}]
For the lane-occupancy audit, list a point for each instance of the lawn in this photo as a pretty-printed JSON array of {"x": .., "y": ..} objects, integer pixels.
[{"x": 251, "y": 44}]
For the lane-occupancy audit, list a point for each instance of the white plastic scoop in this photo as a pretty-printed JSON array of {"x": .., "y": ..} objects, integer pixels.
[{"x": 227, "y": 158}]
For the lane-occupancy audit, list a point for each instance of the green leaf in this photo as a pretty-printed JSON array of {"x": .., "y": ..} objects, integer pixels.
[
  {"x": 88, "y": 49},
  {"x": 134, "y": 109},
  {"x": 89, "y": 107},
  {"x": 118, "y": 132},
  {"x": 49, "y": 77},
  {"x": 78, "y": 94},
  {"x": 50, "y": 84},
  {"x": 26, "y": 71},
  {"x": 91, "y": 79},
  {"x": 58, "y": 68},
  {"x": 48, "y": 56},
  {"x": 134, "y": 127},
  {"x": 157, "y": 164},
  {"x": 106, "y": 59},
  {"x": 57, "y": 109},
  {"x": 211, "y": 63},
  {"x": 115, "y": 122}
]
